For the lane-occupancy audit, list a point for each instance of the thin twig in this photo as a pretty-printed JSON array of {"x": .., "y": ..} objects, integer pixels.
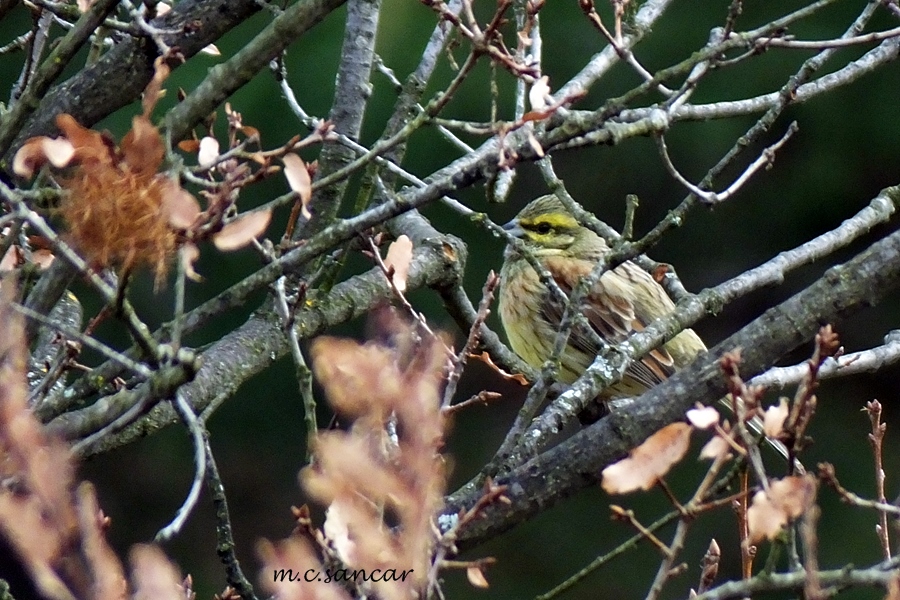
[
  {"x": 828, "y": 476},
  {"x": 765, "y": 159},
  {"x": 864, "y": 361},
  {"x": 86, "y": 340},
  {"x": 303, "y": 373},
  {"x": 225, "y": 546},
  {"x": 198, "y": 437},
  {"x": 876, "y": 438},
  {"x": 459, "y": 363}
]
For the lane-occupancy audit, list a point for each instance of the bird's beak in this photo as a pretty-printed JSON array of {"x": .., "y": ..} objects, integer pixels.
[{"x": 514, "y": 229}]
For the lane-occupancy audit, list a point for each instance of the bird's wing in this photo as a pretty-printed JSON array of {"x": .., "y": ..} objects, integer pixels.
[{"x": 611, "y": 313}]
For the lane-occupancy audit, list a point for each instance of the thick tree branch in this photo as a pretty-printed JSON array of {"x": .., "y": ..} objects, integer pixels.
[
  {"x": 260, "y": 341},
  {"x": 226, "y": 78},
  {"x": 351, "y": 97},
  {"x": 121, "y": 75}
]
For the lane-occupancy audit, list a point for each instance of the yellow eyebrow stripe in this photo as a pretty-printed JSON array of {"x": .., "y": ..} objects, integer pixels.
[{"x": 556, "y": 220}]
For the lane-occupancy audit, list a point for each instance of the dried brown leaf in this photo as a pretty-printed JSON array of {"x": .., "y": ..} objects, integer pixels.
[
  {"x": 476, "y": 577},
  {"x": 774, "y": 418},
  {"x": 486, "y": 359},
  {"x": 649, "y": 461},
  {"x": 59, "y": 151},
  {"x": 350, "y": 463},
  {"x": 716, "y": 447},
  {"x": 299, "y": 180},
  {"x": 251, "y": 132},
  {"x": 153, "y": 92},
  {"x": 90, "y": 146},
  {"x": 398, "y": 260},
  {"x": 764, "y": 518},
  {"x": 242, "y": 231},
  {"x": 788, "y": 498},
  {"x": 182, "y": 209},
  {"x": 189, "y": 255},
  {"x": 191, "y": 145},
  {"x": 370, "y": 478},
  {"x": 359, "y": 379},
  {"x": 38, "y": 151},
  {"x": 143, "y": 147},
  {"x": 37, "y": 516},
  {"x": 795, "y": 494}
]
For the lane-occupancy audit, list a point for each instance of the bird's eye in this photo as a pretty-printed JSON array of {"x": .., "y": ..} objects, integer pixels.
[{"x": 543, "y": 228}]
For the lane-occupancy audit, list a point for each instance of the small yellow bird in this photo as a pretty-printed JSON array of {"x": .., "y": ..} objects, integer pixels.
[{"x": 625, "y": 299}]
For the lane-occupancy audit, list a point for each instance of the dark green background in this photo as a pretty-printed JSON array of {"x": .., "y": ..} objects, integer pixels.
[{"x": 845, "y": 152}]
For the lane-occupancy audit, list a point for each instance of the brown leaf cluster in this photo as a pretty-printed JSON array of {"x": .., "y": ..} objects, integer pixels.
[
  {"x": 54, "y": 524},
  {"x": 37, "y": 514},
  {"x": 227, "y": 174},
  {"x": 117, "y": 206},
  {"x": 787, "y": 499},
  {"x": 120, "y": 211},
  {"x": 384, "y": 479}
]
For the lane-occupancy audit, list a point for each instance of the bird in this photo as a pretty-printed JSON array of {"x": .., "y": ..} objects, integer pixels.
[{"x": 624, "y": 300}]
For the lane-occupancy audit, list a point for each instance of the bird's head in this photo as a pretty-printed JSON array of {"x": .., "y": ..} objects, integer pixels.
[{"x": 547, "y": 228}]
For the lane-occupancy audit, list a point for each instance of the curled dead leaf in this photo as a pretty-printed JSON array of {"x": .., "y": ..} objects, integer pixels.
[
  {"x": 242, "y": 230},
  {"x": 153, "y": 92},
  {"x": 38, "y": 151},
  {"x": 649, "y": 461},
  {"x": 476, "y": 577},
  {"x": 486, "y": 359},
  {"x": 189, "y": 255}
]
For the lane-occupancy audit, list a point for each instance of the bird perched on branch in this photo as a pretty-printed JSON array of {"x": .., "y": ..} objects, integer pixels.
[{"x": 624, "y": 300}]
